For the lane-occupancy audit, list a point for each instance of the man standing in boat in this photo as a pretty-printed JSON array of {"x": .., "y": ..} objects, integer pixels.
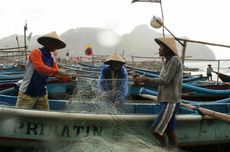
[
  {"x": 40, "y": 65},
  {"x": 113, "y": 81},
  {"x": 169, "y": 91},
  {"x": 209, "y": 72}
]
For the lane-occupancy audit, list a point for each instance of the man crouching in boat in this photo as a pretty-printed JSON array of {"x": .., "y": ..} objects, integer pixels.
[
  {"x": 169, "y": 91},
  {"x": 40, "y": 65},
  {"x": 113, "y": 81}
]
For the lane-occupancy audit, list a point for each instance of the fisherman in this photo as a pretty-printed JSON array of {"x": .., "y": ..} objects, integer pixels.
[
  {"x": 40, "y": 65},
  {"x": 113, "y": 81},
  {"x": 169, "y": 91},
  {"x": 209, "y": 72}
]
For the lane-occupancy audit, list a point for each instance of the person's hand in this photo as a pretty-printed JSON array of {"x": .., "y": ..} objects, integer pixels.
[
  {"x": 62, "y": 72},
  {"x": 72, "y": 77},
  {"x": 116, "y": 104},
  {"x": 135, "y": 76},
  {"x": 140, "y": 80},
  {"x": 104, "y": 96}
]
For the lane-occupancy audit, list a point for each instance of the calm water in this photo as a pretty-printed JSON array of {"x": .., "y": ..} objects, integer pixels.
[
  {"x": 202, "y": 65},
  {"x": 224, "y": 67}
]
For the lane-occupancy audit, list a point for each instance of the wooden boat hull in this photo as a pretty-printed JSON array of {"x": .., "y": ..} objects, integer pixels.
[
  {"x": 24, "y": 127},
  {"x": 189, "y": 92},
  {"x": 224, "y": 77},
  {"x": 56, "y": 95}
]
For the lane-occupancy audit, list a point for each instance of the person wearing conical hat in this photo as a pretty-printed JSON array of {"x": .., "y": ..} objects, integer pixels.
[
  {"x": 113, "y": 80},
  {"x": 209, "y": 72},
  {"x": 40, "y": 65},
  {"x": 169, "y": 91}
]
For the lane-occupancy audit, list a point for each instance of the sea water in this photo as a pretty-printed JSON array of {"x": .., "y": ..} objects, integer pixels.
[{"x": 222, "y": 66}]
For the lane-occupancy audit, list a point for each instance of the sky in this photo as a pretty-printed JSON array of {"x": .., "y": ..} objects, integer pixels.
[{"x": 203, "y": 20}]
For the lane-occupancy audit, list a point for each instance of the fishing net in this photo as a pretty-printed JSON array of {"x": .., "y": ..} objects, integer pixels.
[{"x": 87, "y": 96}]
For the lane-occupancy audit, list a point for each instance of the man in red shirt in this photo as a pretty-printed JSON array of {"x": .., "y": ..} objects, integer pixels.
[{"x": 40, "y": 65}]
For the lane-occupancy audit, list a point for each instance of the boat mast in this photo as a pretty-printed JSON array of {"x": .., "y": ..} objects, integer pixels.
[
  {"x": 162, "y": 16},
  {"x": 25, "y": 45}
]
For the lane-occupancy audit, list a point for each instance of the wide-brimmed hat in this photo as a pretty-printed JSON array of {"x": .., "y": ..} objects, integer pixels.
[
  {"x": 54, "y": 37},
  {"x": 209, "y": 65},
  {"x": 114, "y": 57},
  {"x": 168, "y": 42}
]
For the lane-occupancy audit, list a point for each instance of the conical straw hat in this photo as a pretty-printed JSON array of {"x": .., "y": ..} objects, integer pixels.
[
  {"x": 169, "y": 42},
  {"x": 114, "y": 57},
  {"x": 54, "y": 36}
]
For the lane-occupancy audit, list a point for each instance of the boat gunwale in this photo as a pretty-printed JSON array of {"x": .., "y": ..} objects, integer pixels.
[{"x": 68, "y": 115}]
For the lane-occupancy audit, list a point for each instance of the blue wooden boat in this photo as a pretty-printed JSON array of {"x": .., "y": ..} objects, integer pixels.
[
  {"x": 71, "y": 121},
  {"x": 191, "y": 92},
  {"x": 34, "y": 126},
  {"x": 5, "y": 84},
  {"x": 56, "y": 91},
  {"x": 154, "y": 93},
  {"x": 150, "y": 73},
  {"x": 64, "y": 124},
  {"x": 11, "y": 72},
  {"x": 11, "y": 67},
  {"x": 186, "y": 78},
  {"x": 141, "y": 70},
  {"x": 11, "y": 76},
  {"x": 85, "y": 68},
  {"x": 90, "y": 65}
]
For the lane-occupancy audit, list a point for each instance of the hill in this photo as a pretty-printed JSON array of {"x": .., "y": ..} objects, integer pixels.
[{"x": 139, "y": 42}]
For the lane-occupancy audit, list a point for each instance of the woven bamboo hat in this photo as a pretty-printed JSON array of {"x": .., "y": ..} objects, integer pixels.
[
  {"x": 53, "y": 36},
  {"x": 114, "y": 57},
  {"x": 168, "y": 42}
]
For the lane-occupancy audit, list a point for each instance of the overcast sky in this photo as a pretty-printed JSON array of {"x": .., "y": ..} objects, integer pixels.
[{"x": 204, "y": 20}]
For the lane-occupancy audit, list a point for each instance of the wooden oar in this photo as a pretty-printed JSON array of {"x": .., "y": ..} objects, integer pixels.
[{"x": 204, "y": 111}]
